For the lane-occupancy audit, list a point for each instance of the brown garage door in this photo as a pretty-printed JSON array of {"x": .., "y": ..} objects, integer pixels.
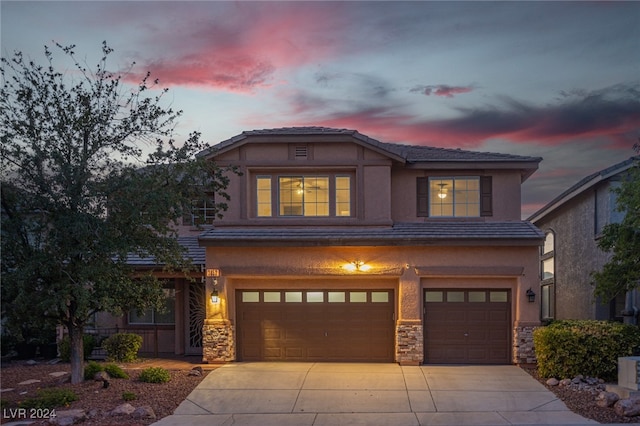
[
  {"x": 315, "y": 325},
  {"x": 467, "y": 326}
]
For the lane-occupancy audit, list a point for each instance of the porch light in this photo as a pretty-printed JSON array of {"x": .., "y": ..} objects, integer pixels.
[
  {"x": 214, "y": 296},
  {"x": 357, "y": 265},
  {"x": 531, "y": 296}
]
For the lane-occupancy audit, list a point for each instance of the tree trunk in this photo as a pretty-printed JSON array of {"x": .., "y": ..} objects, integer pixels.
[{"x": 77, "y": 353}]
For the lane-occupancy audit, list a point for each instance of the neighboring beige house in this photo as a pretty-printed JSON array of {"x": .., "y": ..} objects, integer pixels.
[
  {"x": 338, "y": 247},
  {"x": 572, "y": 223}
]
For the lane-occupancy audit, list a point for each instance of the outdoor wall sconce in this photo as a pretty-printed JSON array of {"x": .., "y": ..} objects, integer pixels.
[
  {"x": 214, "y": 296},
  {"x": 531, "y": 296},
  {"x": 357, "y": 265}
]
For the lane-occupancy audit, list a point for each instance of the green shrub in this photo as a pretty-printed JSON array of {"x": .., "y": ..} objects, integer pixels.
[
  {"x": 567, "y": 348},
  {"x": 91, "y": 369},
  {"x": 50, "y": 398},
  {"x": 64, "y": 347},
  {"x": 155, "y": 375},
  {"x": 115, "y": 371},
  {"x": 122, "y": 347},
  {"x": 129, "y": 396}
]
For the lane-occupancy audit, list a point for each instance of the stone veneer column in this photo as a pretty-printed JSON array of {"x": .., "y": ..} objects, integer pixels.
[
  {"x": 523, "y": 348},
  {"x": 218, "y": 341},
  {"x": 409, "y": 338},
  {"x": 409, "y": 342}
]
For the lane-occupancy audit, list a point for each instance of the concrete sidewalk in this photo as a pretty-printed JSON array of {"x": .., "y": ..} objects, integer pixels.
[{"x": 370, "y": 394}]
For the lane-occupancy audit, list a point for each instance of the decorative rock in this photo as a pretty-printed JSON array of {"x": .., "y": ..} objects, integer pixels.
[
  {"x": 29, "y": 382},
  {"x": 577, "y": 379},
  {"x": 68, "y": 417},
  {"x": 64, "y": 379},
  {"x": 31, "y": 362},
  {"x": 627, "y": 407},
  {"x": 553, "y": 382},
  {"x": 565, "y": 382},
  {"x": 607, "y": 399},
  {"x": 194, "y": 372},
  {"x": 58, "y": 373},
  {"x": 123, "y": 409},
  {"x": 101, "y": 376},
  {"x": 6, "y": 390},
  {"x": 145, "y": 412}
]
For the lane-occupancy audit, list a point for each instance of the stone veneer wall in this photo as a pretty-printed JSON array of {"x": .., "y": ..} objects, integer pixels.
[
  {"x": 409, "y": 343},
  {"x": 218, "y": 341},
  {"x": 523, "y": 349}
]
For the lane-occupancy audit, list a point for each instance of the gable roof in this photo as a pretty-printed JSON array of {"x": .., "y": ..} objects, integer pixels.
[
  {"x": 407, "y": 154},
  {"x": 583, "y": 185}
]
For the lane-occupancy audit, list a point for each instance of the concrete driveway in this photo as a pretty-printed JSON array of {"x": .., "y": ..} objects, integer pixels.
[{"x": 370, "y": 394}]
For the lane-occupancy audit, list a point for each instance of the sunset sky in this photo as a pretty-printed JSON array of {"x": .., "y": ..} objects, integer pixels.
[{"x": 559, "y": 80}]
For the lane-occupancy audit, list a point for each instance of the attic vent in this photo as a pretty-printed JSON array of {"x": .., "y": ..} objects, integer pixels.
[{"x": 300, "y": 153}]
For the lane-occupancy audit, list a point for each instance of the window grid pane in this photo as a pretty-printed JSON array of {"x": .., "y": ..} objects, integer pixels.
[
  {"x": 315, "y": 297},
  {"x": 343, "y": 196},
  {"x": 358, "y": 296},
  {"x": 264, "y": 196},
  {"x": 293, "y": 296},
  {"x": 271, "y": 296}
]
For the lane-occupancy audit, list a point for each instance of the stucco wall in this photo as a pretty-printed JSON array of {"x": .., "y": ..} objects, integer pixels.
[{"x": 577, "y": 254}]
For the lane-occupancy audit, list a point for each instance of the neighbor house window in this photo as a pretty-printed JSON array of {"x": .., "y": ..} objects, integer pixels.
[
  {"x": 306, "y": 196},
  {"x": 464, "y": 196},
  {"x": 548, "y": 280},
  {"x": 167, "y": 315}
]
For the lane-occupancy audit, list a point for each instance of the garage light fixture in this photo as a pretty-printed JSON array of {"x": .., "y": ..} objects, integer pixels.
[
  {"x": 357, "y": 265},
  {"x": 531, "y": 296}
]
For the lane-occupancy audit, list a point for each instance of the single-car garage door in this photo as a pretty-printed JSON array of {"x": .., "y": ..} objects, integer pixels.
[
  {"x": 315, "y": 325},
  {"x": 467, "y": 326}
]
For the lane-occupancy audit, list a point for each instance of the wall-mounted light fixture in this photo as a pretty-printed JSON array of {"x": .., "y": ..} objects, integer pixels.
[
  {"x": 213, "y": 273},
  {"x": 531, "y": 296},
  {"x": 357, "y": 265}
]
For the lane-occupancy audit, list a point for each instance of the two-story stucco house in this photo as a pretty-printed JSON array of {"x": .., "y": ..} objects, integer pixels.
[
  {"x": 339, "y": 247},
  {"x": 572, "y": 223}
]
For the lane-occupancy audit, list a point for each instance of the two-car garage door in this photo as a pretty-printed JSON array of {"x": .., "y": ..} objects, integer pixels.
[{"x": 315, "y": 325}]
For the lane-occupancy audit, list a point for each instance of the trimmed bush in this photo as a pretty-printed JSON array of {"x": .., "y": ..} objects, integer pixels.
[
  {"x": 91, "y": 369},
  {"x": 122, "y": 347},
  {"x": 64, "y": 347},
  {"x": 155, "y": 375},
  {"x": 50, "y": 398},
  {"x": 115, "y": 371},
  {"x": 567, "y": 348}
]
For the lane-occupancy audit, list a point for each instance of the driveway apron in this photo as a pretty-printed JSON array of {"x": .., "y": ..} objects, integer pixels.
[{"x": 264, "y": 393}]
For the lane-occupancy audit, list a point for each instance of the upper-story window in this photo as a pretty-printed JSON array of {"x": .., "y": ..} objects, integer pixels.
[
  {"x": 456, "y": 196},
  {"x": 203, "y": 210},
  {"x": 304, "y": 195},
  {"x": 547, "y": 276}
]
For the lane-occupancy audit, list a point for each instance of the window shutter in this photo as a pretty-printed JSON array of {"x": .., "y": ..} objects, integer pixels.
[
  {"x": 486, "y": 199},
  {"x": 422, "y": 189}
]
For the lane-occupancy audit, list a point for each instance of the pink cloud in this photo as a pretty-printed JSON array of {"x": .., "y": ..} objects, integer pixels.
[{"x": 241, "y": 50}]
